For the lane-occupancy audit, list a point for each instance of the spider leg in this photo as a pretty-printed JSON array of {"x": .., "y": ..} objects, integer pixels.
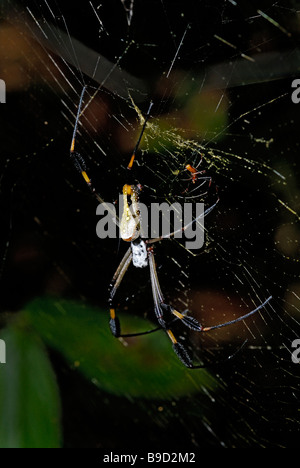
[
  {"x": 239, "y": 319},
  {"x": 220, "y": 361},
  {"x": 140, "y": 137},
  {"x": 114, "y": 322},
  {"x": 156, "y": 291},
  {"x": 79, "y": 162},
  {"x": 160, "y": 307},
  {"x": 184, "y": 356}
]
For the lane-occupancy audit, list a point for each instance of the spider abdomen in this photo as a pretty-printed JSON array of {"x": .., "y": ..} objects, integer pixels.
[{"x": 139, "y": 253}]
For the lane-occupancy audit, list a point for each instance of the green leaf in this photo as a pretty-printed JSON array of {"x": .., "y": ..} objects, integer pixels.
[
  {"x": 29, "y": 398},
  {"x": 144, "y": 366}
]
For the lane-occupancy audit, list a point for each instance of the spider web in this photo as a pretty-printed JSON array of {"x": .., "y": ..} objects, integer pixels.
[{"x": 220, "y": 78}]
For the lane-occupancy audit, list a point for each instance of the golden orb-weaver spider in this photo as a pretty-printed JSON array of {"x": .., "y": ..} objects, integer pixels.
[{"x": 141, "y": 254}]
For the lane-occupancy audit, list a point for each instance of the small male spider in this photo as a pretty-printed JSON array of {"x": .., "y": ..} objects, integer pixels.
[
  {"x": 194, "y": 172},
  {"x": 141, "y": 254}
]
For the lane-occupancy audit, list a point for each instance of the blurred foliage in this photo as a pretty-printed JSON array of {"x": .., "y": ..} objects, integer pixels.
[
  {"x": 30, "y": 406},
  {"x": 29, "y": 396}
]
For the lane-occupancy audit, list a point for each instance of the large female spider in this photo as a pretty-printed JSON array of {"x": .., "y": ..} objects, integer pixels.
[{"x": 141, "y": 254}]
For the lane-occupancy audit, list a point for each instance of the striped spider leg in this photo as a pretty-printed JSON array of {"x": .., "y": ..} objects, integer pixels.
[{"x": 141, "y": 255}]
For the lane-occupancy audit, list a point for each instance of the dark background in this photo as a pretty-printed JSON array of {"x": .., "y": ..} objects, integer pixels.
[{"x": 48, "y": 240}]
